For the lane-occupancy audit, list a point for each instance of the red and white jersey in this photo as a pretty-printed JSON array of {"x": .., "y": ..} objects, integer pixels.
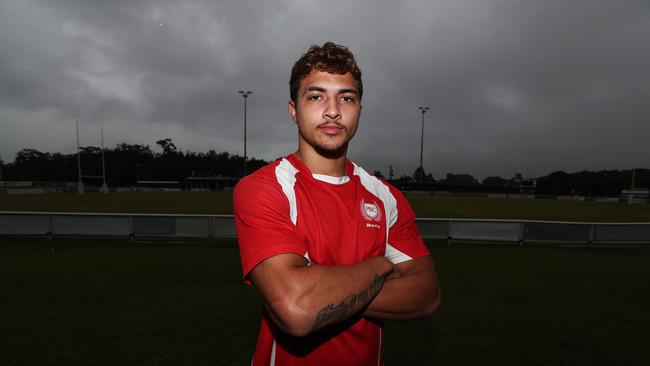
[{"x": 284, "y": 208}]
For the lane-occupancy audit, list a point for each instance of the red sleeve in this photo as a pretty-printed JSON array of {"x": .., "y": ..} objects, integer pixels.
[
  {"x": 403, "y": 235},
  {"x": 264, "y": 227}
]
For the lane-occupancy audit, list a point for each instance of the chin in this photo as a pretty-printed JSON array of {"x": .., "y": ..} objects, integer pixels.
[{"x": 332, "y": 151}]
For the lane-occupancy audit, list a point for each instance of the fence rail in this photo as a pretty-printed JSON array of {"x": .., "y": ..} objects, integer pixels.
[
  {"x": 222, "y": 227},
  {"x": 535, "y": 232}
]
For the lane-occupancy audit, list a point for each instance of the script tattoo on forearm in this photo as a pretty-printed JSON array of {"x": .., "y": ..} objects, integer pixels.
[{"x": 332, "y": 313}]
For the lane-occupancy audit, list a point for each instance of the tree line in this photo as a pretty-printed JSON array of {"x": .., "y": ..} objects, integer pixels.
[
  {"x": 125, "y": 164},
  {"x": 603, "y": 183},
  {"x": 128, "y": 163}
]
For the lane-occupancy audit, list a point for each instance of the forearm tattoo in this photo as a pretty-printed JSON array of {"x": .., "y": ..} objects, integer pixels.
[{"x": 331, "y": 313}]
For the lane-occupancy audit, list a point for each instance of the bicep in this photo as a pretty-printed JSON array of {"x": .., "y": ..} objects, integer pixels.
[
  {"x": 278, "y": 280},
  {"x": 404, "y": 240},
  {"x": 419, "y": 276},
  {"x": 422, "y": 266},
  {"x": 264, "y": 227}
]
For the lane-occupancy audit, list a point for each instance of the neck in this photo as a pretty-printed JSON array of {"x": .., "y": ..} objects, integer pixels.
[{"x": 326, "y": 163}]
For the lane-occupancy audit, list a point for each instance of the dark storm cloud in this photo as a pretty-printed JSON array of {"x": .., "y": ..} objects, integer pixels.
[{"x": 513, "y": 86}]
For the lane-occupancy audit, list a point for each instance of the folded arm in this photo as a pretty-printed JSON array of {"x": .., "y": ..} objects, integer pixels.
[
  {"x": 410, "y": 292},
  {"x": 303, "y": 298}
]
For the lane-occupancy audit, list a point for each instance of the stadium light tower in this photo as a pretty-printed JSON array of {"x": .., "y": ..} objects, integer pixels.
[
  {"x": 423, "y": 110},
  {"x": 80, "y": 184},
  {"x": 104, "y": 188},
  {"x": 245, "y": 94}
]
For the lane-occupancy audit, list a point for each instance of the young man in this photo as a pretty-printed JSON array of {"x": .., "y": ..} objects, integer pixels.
[{"x": 332, "y": 249}]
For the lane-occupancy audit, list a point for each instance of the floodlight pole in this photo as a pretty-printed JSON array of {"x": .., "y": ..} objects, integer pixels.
[
  {"x": 245, "y": 94},
  {"x": 80, "y": 185},
  {"x": 104, "y": 186},
  {"x": 423, "y": 110}
]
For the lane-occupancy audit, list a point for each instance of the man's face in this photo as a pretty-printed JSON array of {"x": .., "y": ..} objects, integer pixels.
[{"x": 326, "y": 110}]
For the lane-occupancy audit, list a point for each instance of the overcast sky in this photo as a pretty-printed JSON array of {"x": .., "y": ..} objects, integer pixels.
[{"x": 512, "y": 85}]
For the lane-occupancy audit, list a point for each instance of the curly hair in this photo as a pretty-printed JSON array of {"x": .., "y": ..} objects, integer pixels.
[{"x": 332, "y": 58}]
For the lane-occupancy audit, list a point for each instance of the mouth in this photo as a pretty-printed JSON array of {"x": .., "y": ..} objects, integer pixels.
[{"x": 330, "y": 128}]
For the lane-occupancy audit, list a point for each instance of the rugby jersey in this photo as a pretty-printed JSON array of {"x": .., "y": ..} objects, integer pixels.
[{"x": 284, "y": 208}]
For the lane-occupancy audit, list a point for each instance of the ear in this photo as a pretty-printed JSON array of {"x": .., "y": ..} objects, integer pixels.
[{"x": 292, "y": 111}]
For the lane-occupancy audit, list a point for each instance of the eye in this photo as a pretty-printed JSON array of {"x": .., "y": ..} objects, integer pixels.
[
  {"x": 314, "y": 98},
  {"x": 348, "y": 99}
]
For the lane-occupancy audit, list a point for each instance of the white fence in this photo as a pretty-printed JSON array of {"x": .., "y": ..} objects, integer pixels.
[
  {"x": 223, "y": 227},
  {"x": 535, "y": 232},
  {"x": 117, "y": 225}
]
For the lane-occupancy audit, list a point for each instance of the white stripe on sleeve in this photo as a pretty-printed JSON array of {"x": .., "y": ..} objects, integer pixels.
[{"x": 285, "y": 173}]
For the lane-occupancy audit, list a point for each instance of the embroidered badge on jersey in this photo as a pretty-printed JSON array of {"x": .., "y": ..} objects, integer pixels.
[{"x": 371, "y": 212}]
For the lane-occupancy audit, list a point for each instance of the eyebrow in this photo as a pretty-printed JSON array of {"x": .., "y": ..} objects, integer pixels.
[{"x": 341, "y": 91}]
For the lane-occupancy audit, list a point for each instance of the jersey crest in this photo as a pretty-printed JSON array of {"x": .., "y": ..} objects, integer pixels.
[{"x": 370, "y": 211}]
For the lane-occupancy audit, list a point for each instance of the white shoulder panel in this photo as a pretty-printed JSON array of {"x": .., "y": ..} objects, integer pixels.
[
  {"x": 285, "y": 173},
  {"x": 379, "y": 189}
]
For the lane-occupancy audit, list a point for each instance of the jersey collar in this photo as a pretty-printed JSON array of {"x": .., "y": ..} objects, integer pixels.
[{"x": 349, "y": 171}]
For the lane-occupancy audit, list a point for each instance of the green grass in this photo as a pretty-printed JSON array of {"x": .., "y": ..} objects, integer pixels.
[
  {"x": 527, "y": 209},
  {"x": 424, "y": 206},
  {"x": 109, "y": 303},
  {"x": 119, "y": 303},
  {"x": 533, "y": 306}
]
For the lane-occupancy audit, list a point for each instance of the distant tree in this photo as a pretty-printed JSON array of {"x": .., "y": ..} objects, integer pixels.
[
  {"x": 378, "y": 174},
  {"x": 556, "y": 183},
  {"x": 418, "y": 174},
  {"x": 403, "y": 182},
  {"x": 495, "y": 181},
  {"x": 460, "y": 179},
  {"x": 31, "y": 164},
  {"x": 141, "y": 150},
  {"x": 130, "y": 163},
  {"x": 167, "y": 146},
  {"x": 90, "y": 150}
]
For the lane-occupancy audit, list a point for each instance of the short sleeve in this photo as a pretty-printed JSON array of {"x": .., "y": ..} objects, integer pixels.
[
  {"x": 262, "y": 218},
  {"x": 404, "y": 239}
]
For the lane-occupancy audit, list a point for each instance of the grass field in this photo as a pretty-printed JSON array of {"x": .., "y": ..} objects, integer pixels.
[
  {"x": 424, "y": 206},
  {"x": 79, "y": 302},
  {"x": 107, "y": 302}
]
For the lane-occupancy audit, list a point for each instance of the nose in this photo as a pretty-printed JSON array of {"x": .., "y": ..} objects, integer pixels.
[{"x": 332, "y": 110}]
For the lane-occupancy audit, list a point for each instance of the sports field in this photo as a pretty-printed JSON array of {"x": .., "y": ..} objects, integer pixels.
[
  {"x": 108, "y": 302},
  {"x": 79, "y": 302},
  {"x": 424, "y": 206}
]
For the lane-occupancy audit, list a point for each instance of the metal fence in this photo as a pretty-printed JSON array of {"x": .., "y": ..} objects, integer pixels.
[
  {"x": 222, "y": 227},
  {"x": 118, "y": 225},
  {"x": 534, "y": 232}
]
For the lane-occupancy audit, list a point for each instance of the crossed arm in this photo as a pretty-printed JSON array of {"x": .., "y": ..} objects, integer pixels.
[
  {"x": 411, "y": 291},
  {"x": 302, "y": 299}
]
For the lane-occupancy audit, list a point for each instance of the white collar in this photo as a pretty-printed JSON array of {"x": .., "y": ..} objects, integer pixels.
[{"x": 330, "y": 179}]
